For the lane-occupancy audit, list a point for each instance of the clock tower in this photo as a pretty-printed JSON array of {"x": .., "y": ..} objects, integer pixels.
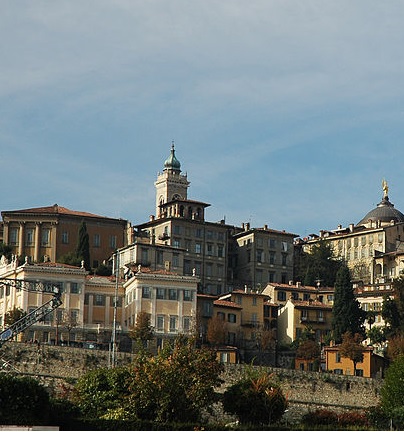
[{"x": 170, "y": 185}]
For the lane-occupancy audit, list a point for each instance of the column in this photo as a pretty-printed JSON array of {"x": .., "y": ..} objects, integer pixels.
[
  {"x": 37, "y": 240},
  {"x": 21, "y": 239}
]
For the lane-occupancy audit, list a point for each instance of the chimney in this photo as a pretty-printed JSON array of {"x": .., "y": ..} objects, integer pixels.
[
  {"x": 298, "y": 284},
  {"x": 351, "y": 227}
]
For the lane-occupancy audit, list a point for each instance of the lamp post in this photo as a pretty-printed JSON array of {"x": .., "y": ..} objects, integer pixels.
[{"x": 113, "y": 336}]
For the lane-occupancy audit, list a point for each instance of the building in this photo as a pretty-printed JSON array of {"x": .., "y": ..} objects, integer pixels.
[
  {"x": 87, "y": 313},
  {"x": 298, "y": 316},
  {"x": 168, "y": 298},
  {"x": 263, "y": 255},
  {"x": 372, "y": 248},
  {"x": 280, "y": 293},
  {"x": 181, "y": 224},
  {"x": 372, "y": 365},
  {"x": 48, "y": 233}
]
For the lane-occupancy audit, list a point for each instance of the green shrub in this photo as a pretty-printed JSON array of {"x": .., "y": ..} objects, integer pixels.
[{"x": 255, "y": 400}]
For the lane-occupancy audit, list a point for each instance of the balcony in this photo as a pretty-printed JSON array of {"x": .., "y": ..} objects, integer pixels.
[{"x": 251, "y": 324}]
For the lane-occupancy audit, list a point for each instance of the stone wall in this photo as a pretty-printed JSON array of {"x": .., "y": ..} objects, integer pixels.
[{"x": 305, "y": 390}]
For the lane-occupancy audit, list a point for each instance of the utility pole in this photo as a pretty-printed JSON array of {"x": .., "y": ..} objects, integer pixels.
[{"x": 113, "y": 337}]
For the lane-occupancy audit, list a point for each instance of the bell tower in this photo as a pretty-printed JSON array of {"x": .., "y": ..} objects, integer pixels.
[{"x": 170, "y": 184}]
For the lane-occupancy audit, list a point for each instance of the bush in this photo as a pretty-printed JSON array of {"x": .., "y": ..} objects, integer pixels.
[
  {"x": 329, "y": 418},
  {"x": 255, "y": 400},
  {"x": 23, "y": 401},
  {"x": 391, "y": 394}
]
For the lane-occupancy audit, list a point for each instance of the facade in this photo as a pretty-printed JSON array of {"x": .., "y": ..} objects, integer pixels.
[
  {"x": 263, "y": 255},
  {"x": 373, "y": 247},
  {"x": 168, "y": 298},
  {"x": 48, "y": 233},
  {"x": 281, "y": 293},
  {"x": 229, "y": 314},
  {"x": 297, "y": 316},
  {"x": 372, "y": 365}
]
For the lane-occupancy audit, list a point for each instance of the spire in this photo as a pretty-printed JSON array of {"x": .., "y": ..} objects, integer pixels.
[{"x": 172, "y": 163}]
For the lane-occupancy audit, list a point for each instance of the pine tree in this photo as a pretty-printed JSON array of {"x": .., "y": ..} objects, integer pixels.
[
  {"x": 83, "y": 246},
  {"x": 347, "y": 313}
]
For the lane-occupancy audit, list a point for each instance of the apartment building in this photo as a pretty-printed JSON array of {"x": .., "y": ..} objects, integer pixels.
[
  {"x": 48, "y": 233},
  {"x": 262, "y": 255},
  {"x": 168, "y": 298},
  {"x": 298, "y": 316}
]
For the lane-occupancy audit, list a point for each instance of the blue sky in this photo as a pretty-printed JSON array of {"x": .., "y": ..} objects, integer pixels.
[{"x": 285, "y": 113}]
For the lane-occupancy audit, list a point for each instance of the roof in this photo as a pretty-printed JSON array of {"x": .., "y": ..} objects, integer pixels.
[
  {"x": 263, "y": 230},
  {"x": 384, "y": 212},
  {"x": 309, "y": 304},
  {"x": 300, "y": 287},
  {"x": 55, "y": 210},
  {"x": 227, "y": 303}
]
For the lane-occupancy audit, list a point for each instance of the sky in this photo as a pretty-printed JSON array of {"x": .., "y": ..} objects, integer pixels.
[{"x": 283, "y": 113}]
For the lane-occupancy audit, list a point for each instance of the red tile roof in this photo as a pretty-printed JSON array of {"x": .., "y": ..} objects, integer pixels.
[
  {"x": 55, "y": 209},
  {"x": 227, "y": 303}
]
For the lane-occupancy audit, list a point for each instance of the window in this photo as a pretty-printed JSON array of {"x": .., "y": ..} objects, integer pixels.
[
  {"x": 220, "y": 236},
  {"x": 159, "y": 257},
  {"x": 209, "y": 249},
  {"x": 281, "y": 296},
  {"x": 65, "y": 237},
  {"x": 45, "y": 237},
  {"x": 74, "y": 315},
  {"x": 338, "y": 371},
  {"x": 172, "y": 294},
  {"x": 284, "y": 246},
  {"x": 271, "y": 257},
  {"x": 254, "y": 301},
  {"x": 260, "y": 255},
  {"x": 176, "y": 260},
  {"x": 271, "y": 276},
  {"x": 304, "y": 315},
  {"x": 198, "y": 267},
  {"x": 160, "y": 323},
  {"x": 220, "y": 271},
  {"x": 186, "y": 323},
  {"x": 177, "y": 229},
  {"x": 74, "y": 288},
  {"x": 173, "y": 323},
  {"x": 187, "y": 295},
  {"x": 97, "y": 240},
  {"x": 320, "y": 316},
  {"x": 146, "y": 292},
  {"x": 221, "y": 316},
  {"x": 13, "y": 236},
  {"x": 272, "y": 243},
  {"x": 232, "y": 318},
  {"x": 337, "y": 357},
  {"x": 284, "y": 259},
  {"x": 220, "y": 250},
  {"x": 29, "y": 237},
  {"x": 161, "y": 293},
  {"x": 198, "y": 232},
  {"x": 209, "y": 269},
  {"x": 177, "y": 243},
  {"x": 112, "y": 242},
  {"x": 254, "y": 319},
  {"x": 198, "y": 248},
  {"x": 99, "y": 300},
  {"x": 306, "y": 296},
  {"x": 145, "y": 256},
  {"x": 187, "y": 267}
]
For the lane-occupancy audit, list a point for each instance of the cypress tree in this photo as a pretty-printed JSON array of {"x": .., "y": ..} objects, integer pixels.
[
  {"x": 83, "y": 246},
  {"x": 347, "y": 313}
]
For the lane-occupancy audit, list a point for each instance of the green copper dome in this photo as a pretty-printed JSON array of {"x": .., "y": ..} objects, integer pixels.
[{"x": 172, "y": 162}]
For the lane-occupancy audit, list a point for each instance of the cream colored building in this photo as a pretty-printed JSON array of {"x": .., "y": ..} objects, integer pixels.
[
  {"x": 168, "y": 298},
  {"x": 373, "y": 247}
]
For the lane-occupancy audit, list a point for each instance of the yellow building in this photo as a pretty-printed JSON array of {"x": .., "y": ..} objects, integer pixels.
[
  {"x": 297, "y": 316},
  {"x": 229, "y": 313},
  {"x": 168, "y": 298},
  {"x": 372, "y": 365},
  {"x": 47, "y": 233}
]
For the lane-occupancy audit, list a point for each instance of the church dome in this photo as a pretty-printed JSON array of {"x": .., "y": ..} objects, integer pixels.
[
  {"x": 384, "y": 212},
  {"x": 172, "y": 162}
]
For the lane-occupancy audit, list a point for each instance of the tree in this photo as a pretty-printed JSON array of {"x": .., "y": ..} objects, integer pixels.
[
  {"x": 376, "y": 335},
  {"x": 352, "y": 348},
  {"x": 142, "y": 330},
  {"x": 308, "y": 350},
  {"x": 318, "y": 265},
  {"x": 83, "y": 246},
  {"x": 395, "y": 347},
  {"x": 255, "y": 399},
  {"x": 24, "y": 401},
  {"x": 101, "y": 390},
  {"x": 6, "y": 250},
  {"x": 13, "y": 315},
  {"x": 347, "y": 313},
  {"x": 217, "y": 331},
  {"x": 391, "y": 393},
  {"x": 176, "y": 384}
]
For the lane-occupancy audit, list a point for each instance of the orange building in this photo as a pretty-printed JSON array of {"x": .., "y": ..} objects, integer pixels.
[
  {"x": 372, "y": 365},
  {"x": 47, "y": 233}
]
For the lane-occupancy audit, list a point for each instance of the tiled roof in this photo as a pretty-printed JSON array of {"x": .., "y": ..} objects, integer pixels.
[
  {"x": 226, "y": 303},
  {"x": 55, "y": 209}
]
